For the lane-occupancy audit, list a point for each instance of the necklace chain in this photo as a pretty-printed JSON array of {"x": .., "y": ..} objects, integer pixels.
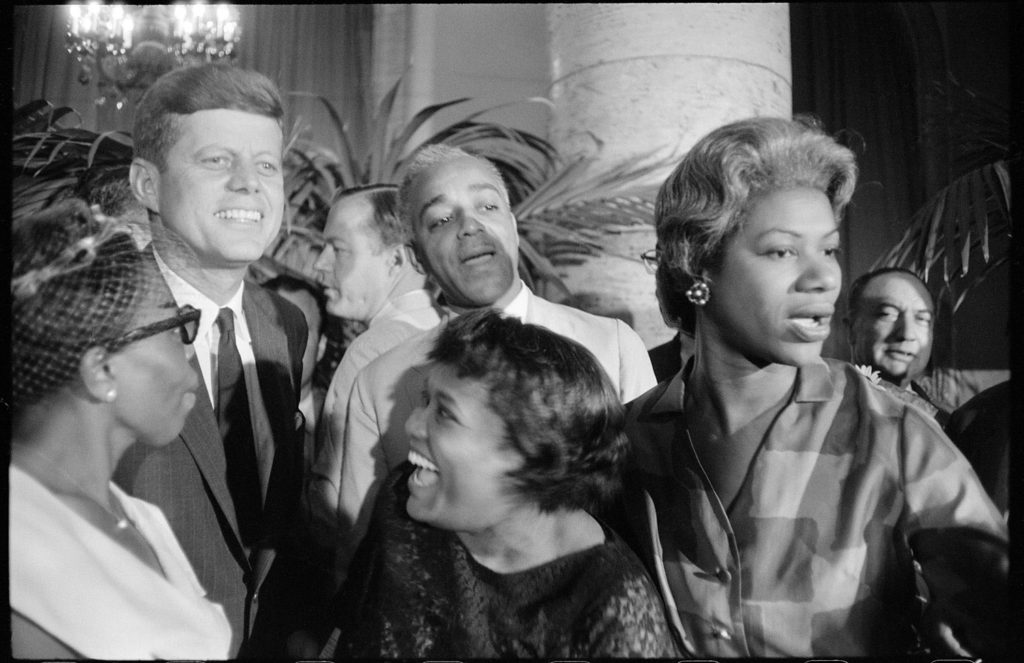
[{"x": 121, "y": 522}]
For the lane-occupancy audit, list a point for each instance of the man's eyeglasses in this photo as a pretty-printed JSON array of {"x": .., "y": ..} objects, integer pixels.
[
  {"x": 187, "y": 322},
  {"x": 650, "y": 259}
]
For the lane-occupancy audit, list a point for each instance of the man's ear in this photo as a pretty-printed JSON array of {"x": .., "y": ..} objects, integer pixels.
[
  {"x": 144, "y": 178},
  {"x": 396, "y": 258},
  {"x": 94, "y": 368},
  {"x": 517, "y": 256},
  {"x": 414, "y": 257}
]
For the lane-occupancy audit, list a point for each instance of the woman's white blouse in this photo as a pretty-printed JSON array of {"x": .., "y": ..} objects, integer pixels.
[{"x": 92, "y": 594}]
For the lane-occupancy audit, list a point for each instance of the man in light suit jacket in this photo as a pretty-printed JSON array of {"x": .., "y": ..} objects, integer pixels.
[
  {"x": 464, "y": 237},
  {"x": 208, "y": 167},
  {"x": 367, "y": 268}
]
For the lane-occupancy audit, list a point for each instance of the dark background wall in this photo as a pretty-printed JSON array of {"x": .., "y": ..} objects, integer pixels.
[{"x": 911, "y": 87}]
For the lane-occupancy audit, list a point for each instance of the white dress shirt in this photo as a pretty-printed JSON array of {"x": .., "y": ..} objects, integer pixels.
[{"x": 205, "y": 349}]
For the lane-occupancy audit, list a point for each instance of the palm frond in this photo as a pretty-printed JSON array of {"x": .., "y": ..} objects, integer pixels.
[
  {"x": 983, "y": 126},
  {"x": 40, "y": 116},
  {"x": 952, "y": 235},
  {"x": 32, "y": 117},
  {"x": 400, "y": 146},
  {"x": 348, "y": 160},
  {"x": 381, "y": 126},
  {"x": 103, "y": 151},
  {"x": 30, "y": 195},
  {"x": 580, "y": 181},
  {"x": 524, "y": 159},
  {"x": 579, "y": 205},
  {"x": 57, "y": 151},
  {"x": 543, "y": 274},
  {"x": 523, "y": 163},
  {"x": 985, "y": 272}
]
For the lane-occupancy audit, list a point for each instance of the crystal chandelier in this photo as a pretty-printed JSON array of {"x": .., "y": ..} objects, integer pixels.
[{"x": 127, "y": 47}]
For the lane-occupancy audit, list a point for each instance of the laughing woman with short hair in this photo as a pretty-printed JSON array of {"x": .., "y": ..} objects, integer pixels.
[{"x": 485, "y": 546}]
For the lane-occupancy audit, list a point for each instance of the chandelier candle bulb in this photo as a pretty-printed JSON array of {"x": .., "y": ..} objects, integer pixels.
[
  {"x": 129, "y": 27},
  {"x": 124, "y": 48}
]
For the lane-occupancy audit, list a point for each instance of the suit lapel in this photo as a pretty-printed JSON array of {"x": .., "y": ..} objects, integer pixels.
[
  {"x": 273, "y": 364},
  {"x": 202, "y": 437},
  {"x": 268, "y": 344}
]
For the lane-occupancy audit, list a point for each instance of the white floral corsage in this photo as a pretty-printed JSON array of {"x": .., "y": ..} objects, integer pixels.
[{"x": 869, "y": 373}]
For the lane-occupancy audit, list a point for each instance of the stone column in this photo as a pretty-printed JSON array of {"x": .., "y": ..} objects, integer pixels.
[{"x": 646, "y": 78}]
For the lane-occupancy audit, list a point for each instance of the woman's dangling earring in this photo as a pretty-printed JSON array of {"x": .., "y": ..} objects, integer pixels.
[{"x": 699, "y": 293}]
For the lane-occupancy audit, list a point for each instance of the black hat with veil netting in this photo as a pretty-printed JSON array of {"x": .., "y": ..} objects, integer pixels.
[{"x": 78, "y": 280}]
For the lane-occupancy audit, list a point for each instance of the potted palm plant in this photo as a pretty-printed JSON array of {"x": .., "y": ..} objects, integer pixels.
[
  {"x": 562, "y": 208},
  {"x": 54, "y": 158}
]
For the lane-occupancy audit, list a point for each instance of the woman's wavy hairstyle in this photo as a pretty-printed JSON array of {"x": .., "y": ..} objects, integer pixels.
[
  {"x": 707, "y": 198},
  {"x": 561, "y": 412}
]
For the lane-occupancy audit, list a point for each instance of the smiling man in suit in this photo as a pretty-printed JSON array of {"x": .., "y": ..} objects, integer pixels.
[{"x": 208, "y": 167}]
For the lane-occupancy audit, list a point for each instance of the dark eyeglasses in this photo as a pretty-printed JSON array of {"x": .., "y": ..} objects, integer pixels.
[
  {"x": 650, "y": 259},
  {"x": 187, "y": 322}
]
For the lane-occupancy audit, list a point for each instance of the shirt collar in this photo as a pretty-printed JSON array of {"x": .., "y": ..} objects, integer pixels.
[
  {"x": 186, "y": 293},
  {"x": 516, "y": 308},
  {"x": 235, "y": 304},
  {"x": 520, "y": 303},
  {"x": 813, "y": 384},
  {"x": 408, "y": 301}
]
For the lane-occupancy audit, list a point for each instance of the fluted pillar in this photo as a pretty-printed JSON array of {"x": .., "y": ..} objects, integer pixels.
[{"x": 644, "y": 78}]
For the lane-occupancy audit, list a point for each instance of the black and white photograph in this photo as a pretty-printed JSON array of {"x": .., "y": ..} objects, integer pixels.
[{"x": 544, "y": 331}]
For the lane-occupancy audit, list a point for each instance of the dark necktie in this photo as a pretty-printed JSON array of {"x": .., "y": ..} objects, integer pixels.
[{"x": 243, "y": 473}]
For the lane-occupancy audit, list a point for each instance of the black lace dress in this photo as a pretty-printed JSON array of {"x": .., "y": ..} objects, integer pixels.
[{"x": 414, "y": 591}]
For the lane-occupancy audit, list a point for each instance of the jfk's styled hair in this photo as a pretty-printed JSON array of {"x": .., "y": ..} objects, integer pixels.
[
  {"x": 192, "y": 89},
  {"x": 386, "y": 227},
  {"x": 707, "y": 198},
  {"x": 427, "y": 159},
  {"x": 561, "y": 413}
]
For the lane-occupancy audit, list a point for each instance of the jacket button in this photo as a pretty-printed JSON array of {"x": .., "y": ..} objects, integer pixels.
[{"x": 723, "y": 575}]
